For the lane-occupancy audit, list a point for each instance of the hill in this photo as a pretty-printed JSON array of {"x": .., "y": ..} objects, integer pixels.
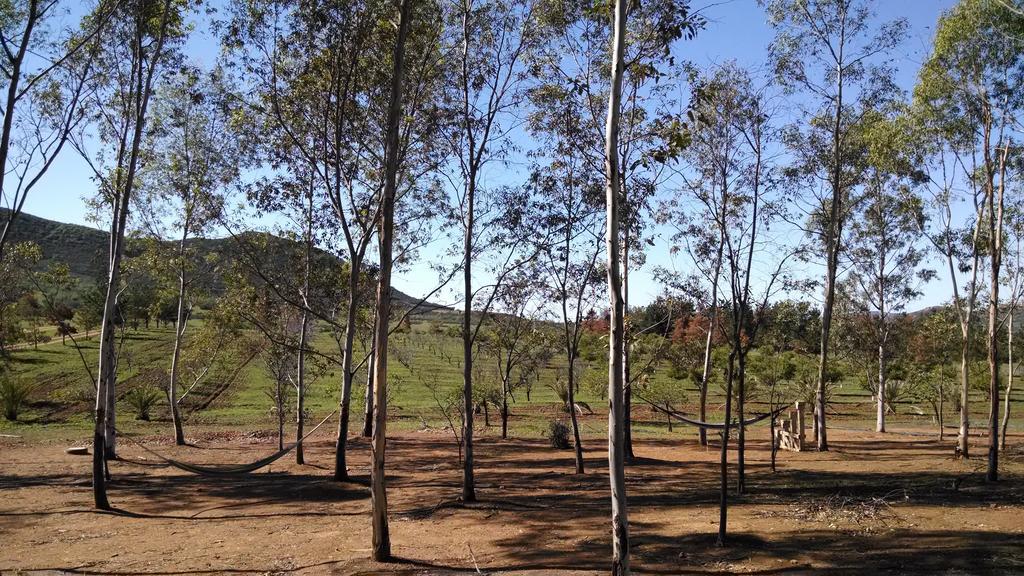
[{"x": 84, "y": 250}]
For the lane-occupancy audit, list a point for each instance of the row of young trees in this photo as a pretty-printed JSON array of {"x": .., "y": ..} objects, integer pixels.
[{"x": 371, "y": 127}]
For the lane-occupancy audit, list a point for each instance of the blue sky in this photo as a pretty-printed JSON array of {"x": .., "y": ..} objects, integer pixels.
[{"x": 737, "y": 30}]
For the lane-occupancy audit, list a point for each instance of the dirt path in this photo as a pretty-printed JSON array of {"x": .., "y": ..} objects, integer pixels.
[{"x": 874, "y": 504}]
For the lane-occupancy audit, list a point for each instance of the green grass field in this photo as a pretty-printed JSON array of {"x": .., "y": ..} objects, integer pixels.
[{"x": 424, "y": 359}]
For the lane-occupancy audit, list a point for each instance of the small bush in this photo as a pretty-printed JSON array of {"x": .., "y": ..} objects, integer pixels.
[
  {"x": 142, "y": 399},
  {"x": 14, "y": 396},
  {"x": 558, "y": 435}
]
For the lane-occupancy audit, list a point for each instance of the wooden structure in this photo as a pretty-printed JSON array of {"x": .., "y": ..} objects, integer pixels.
[{"x": 790, "y": 434}]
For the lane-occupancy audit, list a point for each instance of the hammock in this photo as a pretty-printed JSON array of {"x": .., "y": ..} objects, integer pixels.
[
  {"x": 712, "y": 425},
  {"x": 233, "y": 469}
]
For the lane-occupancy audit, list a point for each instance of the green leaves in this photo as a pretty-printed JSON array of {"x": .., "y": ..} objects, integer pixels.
[{"x": 974, "y": 72}]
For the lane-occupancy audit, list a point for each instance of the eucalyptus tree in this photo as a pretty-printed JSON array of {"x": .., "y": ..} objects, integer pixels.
[
  {"x": 833, "y": 53},
  {"x": 960, "y": 244},
  {"x": 933, "y": 346},
  {"x": 883, "y": 247},
  {"x": 574, "y": 63},
  {"x": 517, "y": 338},
  {"x": 1014, "y": 282},
  {"x": 308, "y": 280},
  {"x": 138, "y": 45},
  {"x": 304, "y": 70},
  {"x": 315, "y": 78},
  {"x": 968, "y": 90},
  {"x": 381, "y": 539},
  {"x": 617, "y": 363},
  {"x": 733, "y": 127},
  {"x": 45, "y": 66},
  {"x": 708, "y": 150},
  {"x": 491, "y": 40},
  {"x": 569, "y": 194},
  {"x": 191, "y": 159}
]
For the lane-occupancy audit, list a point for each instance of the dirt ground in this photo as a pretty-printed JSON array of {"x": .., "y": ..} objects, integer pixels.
[{"x": 873, "y": 504}]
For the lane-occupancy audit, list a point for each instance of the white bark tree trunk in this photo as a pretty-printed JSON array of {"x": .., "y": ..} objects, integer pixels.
[
  {"x": 1009, "y": 380},
  {"x": 381, "y": 538},
  {"x": 105, "y": 397},
  {"x": 616, "y": 367}
]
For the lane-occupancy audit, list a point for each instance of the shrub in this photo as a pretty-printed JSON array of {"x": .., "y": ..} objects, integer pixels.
[
  {"x": 14, "y": 396},
  {"x": 558, "y": 434},
  {"x": 142, "y": 399}
]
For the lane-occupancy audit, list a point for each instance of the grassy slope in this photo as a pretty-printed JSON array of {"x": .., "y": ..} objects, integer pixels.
[{"x": 425, "y": 355}]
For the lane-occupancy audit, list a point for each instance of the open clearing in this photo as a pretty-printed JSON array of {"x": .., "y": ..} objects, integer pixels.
[{"x": 893, "y": 503}]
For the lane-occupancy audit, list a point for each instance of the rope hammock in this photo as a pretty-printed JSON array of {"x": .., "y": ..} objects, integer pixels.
[
  {"x": 712, "y": 425},
  {"x": 231, "y": 469}
]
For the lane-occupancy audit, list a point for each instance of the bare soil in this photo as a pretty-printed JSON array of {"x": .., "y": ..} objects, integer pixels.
[{"x": 874, "y": 504}]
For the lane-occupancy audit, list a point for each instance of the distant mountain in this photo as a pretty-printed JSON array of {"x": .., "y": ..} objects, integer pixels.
[{"x": 84, "y": 249}]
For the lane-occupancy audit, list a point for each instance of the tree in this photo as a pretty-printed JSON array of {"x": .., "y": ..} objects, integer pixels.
[
  {"x": 306, "y": 69},
  {"x": 572, "y": 65},
  {"x": 960, "y": 245},
  {"x": 53, "y": 286},
  {"x": 739, "y": 113},
  {"x": 616, "y": 350},
  {"x": 933, "y": 346},
  {"x": 192, "y": 156},
  {"x": 569, "y": 193},
  {"x": 128, "y": 66},
  {"x": 773, "y": 372},
  {"x": 828, "y": 50},
  {"x": 882, "y": 247},
  {"x": 381, "y": 540},
  {"x": 89, "y": 313},
  {"x": 968, "y": 89},
  {"x": 519, "y": 343},
  {"x": 1014, "y": 281},
  {"x": 493, "y": 37},
  {"x": 16, "y": 269},
  {"x": 792, "y": 325},
  {"x": 38, "y": 118},
  {"x": 314, "y": 77}
]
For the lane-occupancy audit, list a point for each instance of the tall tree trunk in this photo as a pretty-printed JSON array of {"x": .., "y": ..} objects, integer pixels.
[
  {"x": 368, "y": 400},
  {"x": 771, "y": 427},
  {"x": 106, "y": 356},
  {"x": 300, "y": 367},
  {"x": 965, "y": 388},
  {"x": 626, "y": 342},
  {"x": 280, "y": 411},
  {"x": 381, "y": 539},
  {"x": 1009, "y": 380},
  {"x": 110, "y": 426},
  {"x": 300, "y": 390},
  {"x": 741, "y": 439},
  {"x": 880, "y": 408},
  {"x": 942, "y": 398},
  {"x": 504, "y": 408},
  {"x": 880, "y": 417},
  {"x": 723, "y": 460},
  {"x": 348, "y": 375},
  {"x": 180, "y": 323},
  {"x": 992, "y": 473},
  {"x": 826, "y": 329},
  {"x": 833, "y": 244},
  {"x": 995, "y": 214},
  {"x": 105, "y": 396},
  {"x": 468, "y": 484},
  {"x": 172, "y": 391},
  {"x": 577, "y": 441},
  {"x": 617, "y": 417},
  {"x": 706, "y": 373}
]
